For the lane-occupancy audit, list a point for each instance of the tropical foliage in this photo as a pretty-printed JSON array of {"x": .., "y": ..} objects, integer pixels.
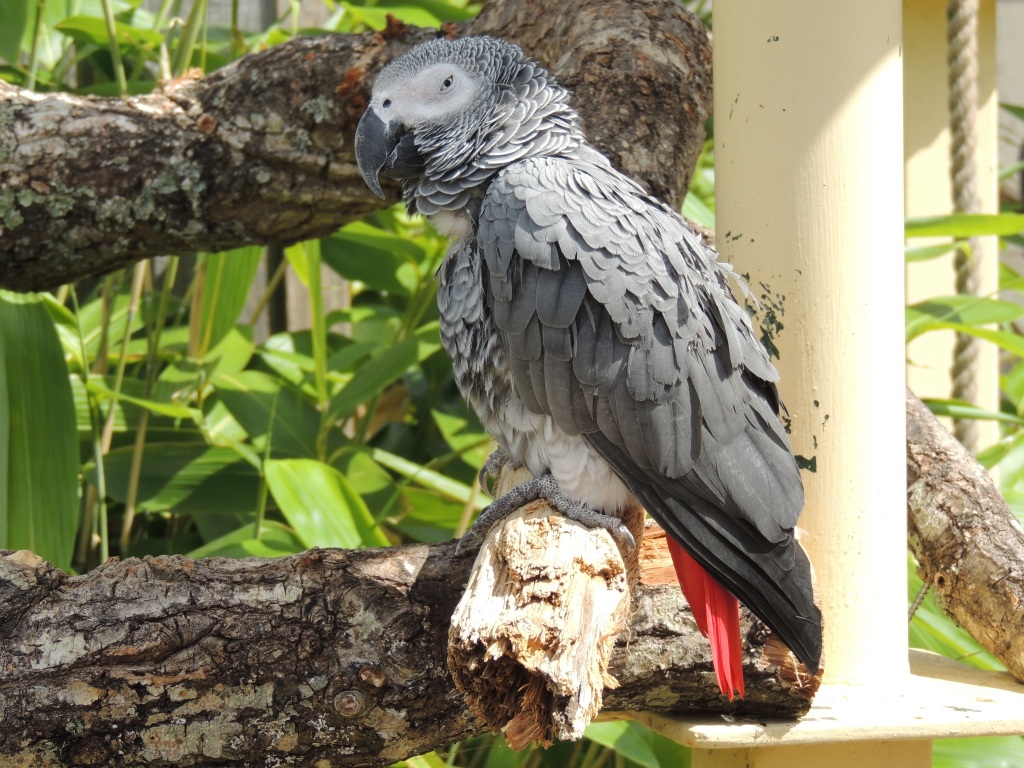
[{"x": 145, "y": 413}]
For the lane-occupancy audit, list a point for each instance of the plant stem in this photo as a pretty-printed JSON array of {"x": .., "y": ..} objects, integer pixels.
[
  {"x": 33, "y": 56},
  {"x": 268, "y": 292},
  {"x": 131, "y": 497},
  {"x": 115, "y": 47},
  {"x": 97, "y": 500}
]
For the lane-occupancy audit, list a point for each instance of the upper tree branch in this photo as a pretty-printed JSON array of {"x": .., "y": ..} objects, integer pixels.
[{"x": 261, "y": 150}]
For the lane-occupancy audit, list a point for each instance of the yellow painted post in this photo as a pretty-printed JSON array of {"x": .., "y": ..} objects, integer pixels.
[
  {"x": 928, "y": 189},
  {"x": 809, "y": 179}
]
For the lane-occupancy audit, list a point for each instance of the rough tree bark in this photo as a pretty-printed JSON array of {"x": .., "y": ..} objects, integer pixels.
[
  {"x": 327, "y": 658},
  {"x": 261, "y": 150},
  {"x": 967, "y": 542}
]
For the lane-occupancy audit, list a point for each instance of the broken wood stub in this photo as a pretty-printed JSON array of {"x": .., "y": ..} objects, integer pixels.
[{"x": 531, "y": 638}]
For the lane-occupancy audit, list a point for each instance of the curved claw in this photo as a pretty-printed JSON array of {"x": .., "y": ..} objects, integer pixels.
[
  {"x": 498, "y": 459},
  {"x": 622, "y": 536}
]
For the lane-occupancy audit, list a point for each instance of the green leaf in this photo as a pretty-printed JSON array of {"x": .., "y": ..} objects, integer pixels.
[
  {"x": 376, "y": 17},
  {"x": 266, "y": 406},
  {"x": 375, "y": 257},
  {"x": 442, "y": 10},
  {"x": 289, "y": 355},
  {"x": 92, "y": 322},
  {"x": 92, "y": 29},
  {"x": 228, "y": 277},
  {"x": 1008, "y": 453},
  {"x": 1011, "y": 170},
  {"x": 276, "y": 540},
  {"x": 38, "y": 439},
  {"x": 297, "y": 258},
  {"x": 464, "y": 435},
  {"x": 966, "y": 225},
  {"x": 320, "y": 505},
  {"x": 173, "y": 410},
  {"x": 213, "y": 485},
  {"x": 697, "y": 210},
  {"x": 988, "y": 752},
  {"x": 383, "y": 369},
  {"x": 959, "y": 409},
  {"x": 429, "y": 760},
  {"x": 428, "y": 514},
  {"x": 927, "y": 252},
  {"x": 1014, "y": 109},
  {"x": 1013, "y": 385},
  {"x": 942, "y": 311},
  {"x": 625, "y": 738},
  {"x": 428, "y": 478},
  {"x": 127, "y": 414},
  {"x": 364, "y": 474},
  {"x": 1011, "y": 342},
  {"x": 16, "y": 15}
]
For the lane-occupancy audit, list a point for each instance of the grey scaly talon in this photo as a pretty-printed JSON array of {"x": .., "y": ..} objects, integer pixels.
[{"x": 544, "y": 487}]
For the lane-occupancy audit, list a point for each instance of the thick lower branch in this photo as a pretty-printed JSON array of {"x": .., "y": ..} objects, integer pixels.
[
  {"x": 968, "y": 544},
  {"x": 261, "y": 150},
  {"x": 327, "y": 655}
]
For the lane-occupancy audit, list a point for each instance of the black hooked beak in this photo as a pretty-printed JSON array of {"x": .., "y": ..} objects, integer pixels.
[{"x": 385, "y": 148}]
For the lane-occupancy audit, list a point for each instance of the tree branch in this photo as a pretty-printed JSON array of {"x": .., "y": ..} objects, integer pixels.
[
  {"x": 328, "y": 655},
  {"x": 967, "y": 542},
  {"x": 261, "y": 150}
]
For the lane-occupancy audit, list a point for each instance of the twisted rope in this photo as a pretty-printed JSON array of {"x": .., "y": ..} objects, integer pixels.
[
  {"x": 962, "y": 40},
  {"x": 918, "y": 599}
]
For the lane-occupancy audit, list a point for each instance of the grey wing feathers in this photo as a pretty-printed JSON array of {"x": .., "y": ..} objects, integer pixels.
[{"x": 618, "y": 325}]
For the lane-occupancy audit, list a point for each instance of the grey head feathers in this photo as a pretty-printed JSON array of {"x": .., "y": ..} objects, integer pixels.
[{"x": 473, "y": 106}]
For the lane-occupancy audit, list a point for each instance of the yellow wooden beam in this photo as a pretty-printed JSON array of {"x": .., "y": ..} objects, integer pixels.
[{"x": 942, "y": 699}]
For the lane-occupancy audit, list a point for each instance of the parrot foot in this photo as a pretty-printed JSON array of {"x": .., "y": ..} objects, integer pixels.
[
  {"x": 493, "y": 465},
  {"x": 543, "y": 487}
]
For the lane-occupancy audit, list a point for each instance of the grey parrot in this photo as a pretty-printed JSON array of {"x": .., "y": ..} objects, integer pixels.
[{"x": 595, "y": 335}]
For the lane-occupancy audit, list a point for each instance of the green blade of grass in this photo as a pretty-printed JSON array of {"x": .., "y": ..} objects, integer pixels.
[{"x": 38, "y": 439}]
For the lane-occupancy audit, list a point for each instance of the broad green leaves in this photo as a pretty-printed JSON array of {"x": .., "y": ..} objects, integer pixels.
[
  {"x": 226, "y": 280},
  {"x": 959, "y": 313},
  {"x": 384, "y": 368},
  {"x": 320, "y": 505},
  {"x": 38, "y": 439},
  {"x": 639, "y": 745},
  {"x": 16, "y": 15}
]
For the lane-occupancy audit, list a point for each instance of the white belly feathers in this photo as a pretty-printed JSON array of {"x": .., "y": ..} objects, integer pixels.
[{"x": 535, "y": 441}]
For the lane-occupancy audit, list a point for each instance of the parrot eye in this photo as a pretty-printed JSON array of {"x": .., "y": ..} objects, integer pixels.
[
  {"x": 386, "y": 104},
  {"x": 447, "y": 82}
]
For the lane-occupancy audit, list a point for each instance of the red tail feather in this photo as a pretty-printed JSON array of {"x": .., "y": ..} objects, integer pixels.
[{"x": 717, "y": 614}]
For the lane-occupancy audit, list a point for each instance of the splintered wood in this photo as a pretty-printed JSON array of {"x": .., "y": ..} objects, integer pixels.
[{"x": 531, "y": 638}]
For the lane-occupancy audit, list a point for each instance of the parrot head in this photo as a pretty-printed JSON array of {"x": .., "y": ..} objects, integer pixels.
[{"x": 451, "y": 108}]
